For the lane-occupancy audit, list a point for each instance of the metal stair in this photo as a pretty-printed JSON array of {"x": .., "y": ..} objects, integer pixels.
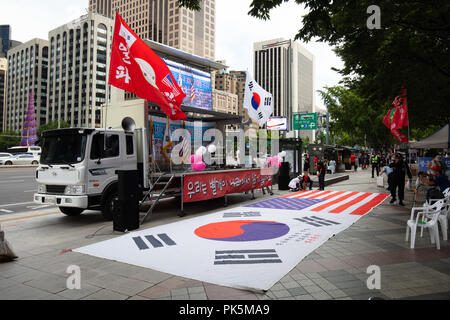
[{"x": 158, "y": 190}]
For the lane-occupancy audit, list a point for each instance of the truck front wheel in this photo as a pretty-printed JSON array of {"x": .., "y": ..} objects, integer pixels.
[
  {"x": 71, "y": 211},
  {"x": 109, "y": 206}
]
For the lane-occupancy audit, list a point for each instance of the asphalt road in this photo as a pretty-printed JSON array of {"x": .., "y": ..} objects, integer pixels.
[{"x": 17, "y": 186}]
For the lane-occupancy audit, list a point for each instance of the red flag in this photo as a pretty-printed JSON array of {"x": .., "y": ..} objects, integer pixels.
[
  {"x": 404, "y": 109},
  {"x": 388, "y": 118},
  {"x": 399, "y": 136},
  {"x": 400, "y": 118},
  {"x": 134, "y": 67}
]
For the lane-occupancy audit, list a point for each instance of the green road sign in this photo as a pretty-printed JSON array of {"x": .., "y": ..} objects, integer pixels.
[{"x": 304, "y": 121}]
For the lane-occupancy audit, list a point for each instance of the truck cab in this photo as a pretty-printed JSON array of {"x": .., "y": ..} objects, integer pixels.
[{"x": 77, "y": 169}]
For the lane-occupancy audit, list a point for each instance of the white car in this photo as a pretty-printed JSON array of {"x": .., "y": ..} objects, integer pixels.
[
  {"x": 4, "y": 155},
  {"x": 19, "y": 159}
]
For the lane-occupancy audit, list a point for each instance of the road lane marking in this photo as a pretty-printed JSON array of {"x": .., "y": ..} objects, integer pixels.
[
  {"x": 39, "y": 206},
  {"x": 6, "y": 211},
  {"x": 29, "y": 217},
  {"x": 10, "y": 181},
  {"x": 15, "y": 204},
  {"x": 27, "y": 177}
]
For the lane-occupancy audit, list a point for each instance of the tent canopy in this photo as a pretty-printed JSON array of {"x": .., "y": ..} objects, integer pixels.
[{"x": 439, "y": 139}]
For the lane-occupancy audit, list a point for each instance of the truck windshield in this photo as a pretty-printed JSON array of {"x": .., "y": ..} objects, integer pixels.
[{"x": 63, "y": 149}]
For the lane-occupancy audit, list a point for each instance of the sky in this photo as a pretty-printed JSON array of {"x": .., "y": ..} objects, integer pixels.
[{"x": 236, "y": 31}]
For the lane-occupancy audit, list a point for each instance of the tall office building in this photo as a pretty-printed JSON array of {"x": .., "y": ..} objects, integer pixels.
[
  {"x": 5, "y": 40},
  {"x": 232, "y": 82},
  {"x": 165, "y": 22},
  {"x": 26, "y": 71},
  {"x": 3, "y": 68},
  {"x": 78, "y": 70},
  {"x": 286, "y": 69}
]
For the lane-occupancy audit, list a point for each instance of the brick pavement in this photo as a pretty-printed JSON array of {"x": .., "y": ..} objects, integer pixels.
[{"x": 336, "y": 270}]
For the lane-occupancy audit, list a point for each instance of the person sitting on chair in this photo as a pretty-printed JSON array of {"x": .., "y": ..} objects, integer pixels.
[{"x": 440, "y": 180}]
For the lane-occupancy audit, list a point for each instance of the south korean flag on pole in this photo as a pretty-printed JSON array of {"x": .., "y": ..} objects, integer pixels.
[{"x": 257, "y": 101}]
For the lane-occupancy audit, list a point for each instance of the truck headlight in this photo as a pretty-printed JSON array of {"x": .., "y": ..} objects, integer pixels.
[
  {"x": 76, "y": 189},
  {"x": 41, "y": 188}
]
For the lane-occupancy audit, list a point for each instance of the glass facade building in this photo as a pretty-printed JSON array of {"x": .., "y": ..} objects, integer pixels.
[
  {"x": 164, "y": 22},
  {"x": 26, "y": 70},
  {"x": 78, "y": 70}
]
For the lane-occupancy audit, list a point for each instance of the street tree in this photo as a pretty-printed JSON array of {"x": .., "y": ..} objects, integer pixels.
[{"x": 410, "y": 48}]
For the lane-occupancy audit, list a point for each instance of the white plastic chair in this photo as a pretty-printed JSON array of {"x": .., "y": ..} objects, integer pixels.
[
  {"x": 443, "y": 217},
  {"x": 427, "y": 217}
]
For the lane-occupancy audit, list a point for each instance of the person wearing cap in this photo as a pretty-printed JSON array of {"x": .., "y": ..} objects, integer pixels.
[{"x": 401, "y": 168}]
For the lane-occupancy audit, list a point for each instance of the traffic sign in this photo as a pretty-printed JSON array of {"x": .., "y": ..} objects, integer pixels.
[{"x": 304, "y": 121}]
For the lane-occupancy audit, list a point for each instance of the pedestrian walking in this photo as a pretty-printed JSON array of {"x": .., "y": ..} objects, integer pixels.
[
  {"x": 353, "y": 161},
  {"x": 375, "y": 164},
  {"x": 321, "y": 171},
  {"x": 401, "y": 168}
]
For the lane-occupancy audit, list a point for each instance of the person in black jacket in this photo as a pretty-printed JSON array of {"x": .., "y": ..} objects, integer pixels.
[
  {"x": 401, "y": 168},
  {"x": 321, "y": 171},
  {"x": 305, "y": 164}
]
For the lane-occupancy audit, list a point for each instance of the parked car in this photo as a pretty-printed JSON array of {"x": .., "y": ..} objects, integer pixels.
[
  {"x": 23, "y": 159},
  {"x": 4, "y": 155}
]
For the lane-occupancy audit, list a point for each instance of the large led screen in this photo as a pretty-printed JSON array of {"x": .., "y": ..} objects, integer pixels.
[{"x": 195, "y": 83}]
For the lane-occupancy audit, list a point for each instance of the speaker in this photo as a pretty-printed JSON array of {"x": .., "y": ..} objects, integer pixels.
[
  {"x": 283, "y": 182},
  {"x": 128, "y": 124},
  {"x": 284, "y": 169},
  {"x": 128, "y": 203},
  {"x": 119, "y": 222}
]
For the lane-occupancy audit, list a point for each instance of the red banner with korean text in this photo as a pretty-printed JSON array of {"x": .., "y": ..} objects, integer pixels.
[
  {"x": 212, "y": 185},
  {"x": 134, "y": 67}
]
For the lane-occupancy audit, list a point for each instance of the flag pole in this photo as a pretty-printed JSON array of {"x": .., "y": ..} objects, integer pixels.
[{"x": 409, "y": 138}]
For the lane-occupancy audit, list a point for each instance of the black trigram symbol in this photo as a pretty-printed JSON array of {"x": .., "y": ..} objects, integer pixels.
[
  {"x": 241, "y": 214},
  {"x": 316, "y": 221},
  {"x": 260, "y": 115},
  {"x": 154, "y": 242},
  {"x": 246, "y": 257},
  {"x": 250, "y": 85}
]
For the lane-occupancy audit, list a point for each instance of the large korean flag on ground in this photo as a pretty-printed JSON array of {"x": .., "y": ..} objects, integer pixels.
[
  {"x": 250, "y": 247},
  {"x": 257, "y": 101}
]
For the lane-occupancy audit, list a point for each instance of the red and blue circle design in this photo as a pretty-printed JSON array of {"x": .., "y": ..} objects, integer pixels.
[
  {"x": 256, "y": 101},
  {"x": 242, "y": 230}
]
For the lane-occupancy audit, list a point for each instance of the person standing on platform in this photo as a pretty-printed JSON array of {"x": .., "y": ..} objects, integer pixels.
[
  {"x": 374, "y": 161},
  {"x": 332, "y": 166},
  {"x": 306, "y": 164},
  {"x": 321, "y": 171},
  {"x": 401, "y": 168}
]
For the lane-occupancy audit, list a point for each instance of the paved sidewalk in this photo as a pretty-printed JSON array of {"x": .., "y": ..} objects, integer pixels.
[{"x": 336, "y": 270}]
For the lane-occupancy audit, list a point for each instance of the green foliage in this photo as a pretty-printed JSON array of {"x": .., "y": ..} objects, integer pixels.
[
  {"x": 50, "y": 126},
  {"x": 410, "y": 49},
  {"x": 9, "y": 139},
  {"x": 354, "y": 120}
]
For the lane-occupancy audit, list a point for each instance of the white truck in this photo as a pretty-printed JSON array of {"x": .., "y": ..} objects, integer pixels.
[{"x": 78, "y": 167}]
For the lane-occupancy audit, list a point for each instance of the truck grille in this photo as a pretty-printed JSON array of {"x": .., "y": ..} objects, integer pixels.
[{"x": 55, "y": 189}]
